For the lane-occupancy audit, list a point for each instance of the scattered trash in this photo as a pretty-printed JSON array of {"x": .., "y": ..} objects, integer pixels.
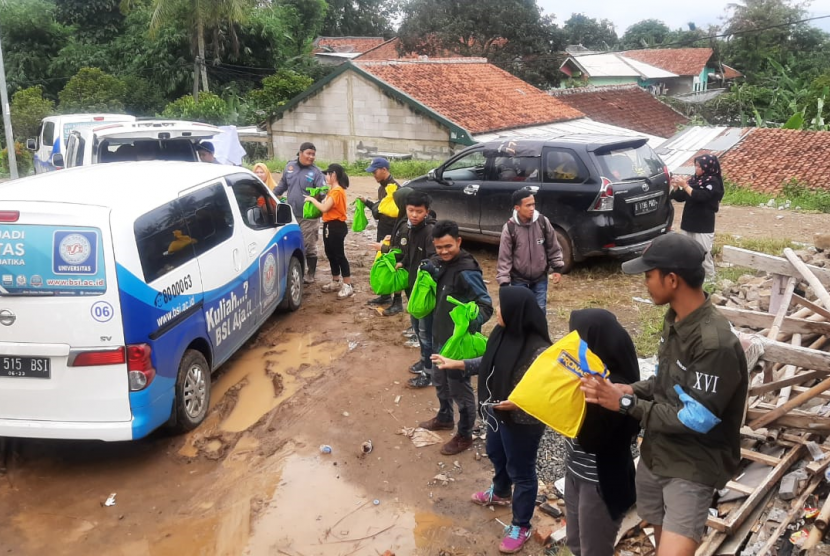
[
  {"x": 110, "y": 500},
  {"x": 643, "y": 300},
  {"x": 420, "y": 437},
  {"x": 456, "y": 464},
  {"x": 552, "y": 511},
  {"x": 397, "y": 399},
  {"x": 325, "y": 449},
  {"x": 442, "y": 478},
  {"x": 559, "y": 485},
  {"x": 353, "y": 345},
  {"x": 376, "y": 502},
  {"x": 648, "y": 367},
  {"x": 478, "y": 457},
  {"x": 345, "y": 414},
  {"x": 816, "y": 452},
  {"x": 366, "y": 447}
]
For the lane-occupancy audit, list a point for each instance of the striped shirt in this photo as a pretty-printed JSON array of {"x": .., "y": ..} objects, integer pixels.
[{"x": 581, "y": 463}]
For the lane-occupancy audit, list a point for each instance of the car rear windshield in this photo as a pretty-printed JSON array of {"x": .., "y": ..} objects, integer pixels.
[{"x": 628, "y": 162}]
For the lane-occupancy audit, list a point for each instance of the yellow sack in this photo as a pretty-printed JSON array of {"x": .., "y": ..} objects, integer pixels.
[
  {"x": 387, "y": 205},
  {"x": 550, "y": 390}
]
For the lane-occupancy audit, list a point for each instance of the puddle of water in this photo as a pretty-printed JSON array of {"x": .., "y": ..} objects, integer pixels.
[
  {"x": 270, "y": 376},
  {"x": 313, "y": 511}
]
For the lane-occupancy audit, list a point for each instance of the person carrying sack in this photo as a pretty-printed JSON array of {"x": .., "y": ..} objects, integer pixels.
[
  {"x": 299, "y": 176},
  {"x": 395, "y": 241},
  {"x": 456, "y": 274},
  {"x": 379, "y": 168}
]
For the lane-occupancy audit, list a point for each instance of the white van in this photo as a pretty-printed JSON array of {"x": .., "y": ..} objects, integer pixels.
[
  {"x": 141, "y": 140},
  {"x": 123, "y": 286},
  {"x": 53, "y": 135}
]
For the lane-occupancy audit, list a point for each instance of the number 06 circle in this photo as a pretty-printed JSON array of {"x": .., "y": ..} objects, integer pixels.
[{"x": 102, "y": 311}]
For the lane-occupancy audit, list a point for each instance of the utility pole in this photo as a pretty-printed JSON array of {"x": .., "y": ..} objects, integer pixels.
[
  {"x": 7, "y": 119},
  {"x": 196, "y": 79}
]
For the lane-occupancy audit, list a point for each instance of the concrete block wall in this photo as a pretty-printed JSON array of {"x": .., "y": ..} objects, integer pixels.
[{"x": 351, "y": 116}]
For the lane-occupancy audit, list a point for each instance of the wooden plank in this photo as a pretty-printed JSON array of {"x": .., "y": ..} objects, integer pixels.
[
  {"x": 743, "y": 489},
  {"x": 769, "y": 263},
  {"x": 810, "y": 276},
  {"x": 812, "y": 423},
  {"x": 772, "y": 461},
  {"x": 817, "y": 309},
  {"x": 733, "y": 545},
  {"x": 779, "y": 352},
  {"x": 740, "y": 515},
  {"x": 797, "y": 401},
  {"x": 796, "y": 508},
  {"x": 789, "y": 372},
  {"x": 800, "y": 378},
  {"x": 758, "y": 319}
]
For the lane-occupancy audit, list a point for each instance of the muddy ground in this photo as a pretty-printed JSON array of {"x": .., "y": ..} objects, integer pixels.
[{"x": 252, "y": 479}]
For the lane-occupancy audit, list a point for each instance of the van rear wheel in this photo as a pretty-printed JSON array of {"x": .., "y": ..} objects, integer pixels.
[
  {"x": 192, "y": 391},
  {"x": 293, "y": 286}
]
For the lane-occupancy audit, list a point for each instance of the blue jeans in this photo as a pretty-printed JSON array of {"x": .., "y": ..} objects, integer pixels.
[
  {"x": 423, "y": 329},
  {"x": 539, "y": 289},
  {"x": 512, "y": 449}
]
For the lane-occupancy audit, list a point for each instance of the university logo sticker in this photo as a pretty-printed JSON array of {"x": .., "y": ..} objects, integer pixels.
[{"x": 75, "y": 253}]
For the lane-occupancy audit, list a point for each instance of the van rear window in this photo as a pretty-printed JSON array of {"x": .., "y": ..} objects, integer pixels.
[
  {"x": 628, "y": 162},
  {"x": 40, "y": 260}
]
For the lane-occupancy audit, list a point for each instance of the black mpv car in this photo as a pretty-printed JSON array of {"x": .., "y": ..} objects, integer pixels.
[{"x": 606, "y": 196}]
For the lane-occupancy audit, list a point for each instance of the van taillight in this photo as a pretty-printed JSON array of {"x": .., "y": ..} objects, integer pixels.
[
  {"x": 140, "y": 366},
  {"x": 98, "y": 119},
  {"x": 605, "y": 201},
  {"x": 98, "y": 357},
  {"x": 9, "y": 215}
]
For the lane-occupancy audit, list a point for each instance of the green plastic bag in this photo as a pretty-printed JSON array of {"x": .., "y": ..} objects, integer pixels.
[
  {"x": 422, "y": 301},
  {"x": 384, "y": 279},
  {"x": 463, "y": 345},
  {"x": 360, "y": 221},
  {"x": 309, "y": 210}
]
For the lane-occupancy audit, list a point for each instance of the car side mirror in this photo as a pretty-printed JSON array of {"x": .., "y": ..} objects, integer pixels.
[
  {"x": 284, "y": 214},
  {"x": 431, "y": 175},
  {"x": 57, "y": 160},
  {"x": 31, "y": 144}
]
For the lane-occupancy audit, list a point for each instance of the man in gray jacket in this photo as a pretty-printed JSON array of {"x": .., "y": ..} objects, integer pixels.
[
  {"x": 300, "y": 175},
  {"x": 529, "y": 249}
]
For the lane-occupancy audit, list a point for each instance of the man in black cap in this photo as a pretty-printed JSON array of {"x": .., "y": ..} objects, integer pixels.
[
  {"x": 207, "y": 152},
  {"x": 692, "y": 408}
]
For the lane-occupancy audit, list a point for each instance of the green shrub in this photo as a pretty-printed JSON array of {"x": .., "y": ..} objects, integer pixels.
[
  {"x": 210, "y": 109},
  {"x": 25, "y": 160}
]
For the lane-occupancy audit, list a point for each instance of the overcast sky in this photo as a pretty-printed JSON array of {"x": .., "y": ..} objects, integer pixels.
[{"x": 674, "y": 14}]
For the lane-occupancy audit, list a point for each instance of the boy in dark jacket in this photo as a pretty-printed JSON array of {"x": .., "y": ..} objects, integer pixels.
[
  {"x": 456, "y": 274},
  {"x": 417, "y": 245}
]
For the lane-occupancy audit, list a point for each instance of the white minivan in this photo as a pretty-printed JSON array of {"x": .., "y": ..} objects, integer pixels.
[
  {"x": 50, "y": 144},
  {"x": 140, "y": 140},
  {"x": 123, "y": 286}
]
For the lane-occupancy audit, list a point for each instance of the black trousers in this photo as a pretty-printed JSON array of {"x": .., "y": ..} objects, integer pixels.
[{"x": 334, "y": 243}]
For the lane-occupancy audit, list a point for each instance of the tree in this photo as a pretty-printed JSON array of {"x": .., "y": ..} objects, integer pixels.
[
  {"x": 303, "y": 20},
  {"x": 589, "y": 32},
  {"x": 142, "y": 98},
  {"x": 209, "y": 109},
  {"x": 94, "y": 20},
  {"x": 360, "y": 18},
  {"x": 512, "y": 34},
  {"x": 649, "y": 32},
  {"x": 28, "y": 108},
  {"x": 276, "y": 91},
  {"x": 92, "y": 90}
]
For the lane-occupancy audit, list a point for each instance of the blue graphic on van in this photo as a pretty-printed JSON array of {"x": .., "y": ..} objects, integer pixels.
[{"x": 51, "y": 260}]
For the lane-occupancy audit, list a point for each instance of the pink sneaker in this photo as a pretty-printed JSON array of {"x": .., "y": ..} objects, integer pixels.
[
  {"x": 487, "y": 498},
  {"x": 514, "y": 539}
]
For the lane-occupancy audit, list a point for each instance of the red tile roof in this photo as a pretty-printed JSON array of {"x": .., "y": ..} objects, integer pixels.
[
  {"x": 627, "y": 106},
  {"x": 682, "y": 61},
  {"x": 385, "y": 51},
  {"x": 474, "y": 94},
  {"x": 346, "y": 44},
  {"x": 731, "y": 73},
  {"x": 766, "y": 159}
]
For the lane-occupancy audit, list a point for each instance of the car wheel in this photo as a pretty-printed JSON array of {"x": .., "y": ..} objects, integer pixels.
[
  {"x": 567, "y": 250},
  {"x": 293, "y": 286},
  {"x": 192, "y": 391}
]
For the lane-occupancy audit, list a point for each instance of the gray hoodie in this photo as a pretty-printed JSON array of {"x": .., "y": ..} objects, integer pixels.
[{"x": 527, "y": 250}]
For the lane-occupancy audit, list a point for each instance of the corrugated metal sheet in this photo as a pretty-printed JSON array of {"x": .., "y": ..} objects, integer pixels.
[
  {"x": 582, "y": 126},
  {"x": 616, "y": 65},
  {"x": 680, "y": 150}
]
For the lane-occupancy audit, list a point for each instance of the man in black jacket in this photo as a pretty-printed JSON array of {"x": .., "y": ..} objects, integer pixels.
[
  {"x": 456, "y": 274},
  {"x": 379, "y": 168}
]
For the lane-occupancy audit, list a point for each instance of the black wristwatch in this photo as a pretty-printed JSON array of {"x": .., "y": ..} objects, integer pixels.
[{"x": 627, "y": 403}]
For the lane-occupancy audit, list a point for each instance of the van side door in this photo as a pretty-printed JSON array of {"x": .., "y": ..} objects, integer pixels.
[
  {"x": 217, "y": 239},
  {"x": 46, "y": 145},
  {"x": 257, "y": 209}
]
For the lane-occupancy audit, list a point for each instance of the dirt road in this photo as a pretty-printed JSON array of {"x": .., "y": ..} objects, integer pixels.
[{"x": 252, "y": 480}]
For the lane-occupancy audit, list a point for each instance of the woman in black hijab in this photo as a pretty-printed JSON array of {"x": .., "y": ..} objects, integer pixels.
[
  {"x": 702, "y": 194},
  {"x": 599, "y": 483},
  {"x": 513, "y": 436}
]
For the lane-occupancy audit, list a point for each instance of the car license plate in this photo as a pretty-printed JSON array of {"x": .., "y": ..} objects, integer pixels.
[
  {"x": 644, "y": 207},
  {"x": 24, "y": 367}
]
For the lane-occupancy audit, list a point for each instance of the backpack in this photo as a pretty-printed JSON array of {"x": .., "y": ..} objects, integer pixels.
[{"x": 511, "y": 227}]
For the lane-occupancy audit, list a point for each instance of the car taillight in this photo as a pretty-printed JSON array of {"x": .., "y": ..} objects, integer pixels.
[
  {"x": 9, "y": 215},
  {"x": 140, "y": 366},
  {"x": 98, "y": 357},
  {"x": 668, "y": 174},
  {"x": 605, "y": 201}
]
